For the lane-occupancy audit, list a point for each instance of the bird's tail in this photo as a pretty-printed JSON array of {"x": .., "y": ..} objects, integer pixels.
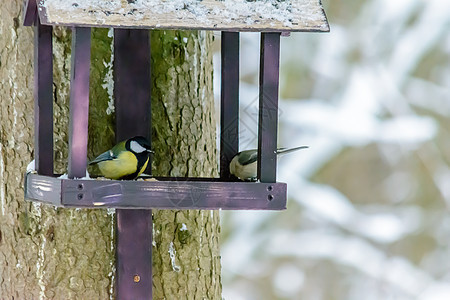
[{"x": 289, "y": 150}]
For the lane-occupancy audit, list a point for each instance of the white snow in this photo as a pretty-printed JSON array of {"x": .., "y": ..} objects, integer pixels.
[
  {"x": 172, "y": 254},
  {"x": 86, "y": 177},
  {"x": 108, "y": 81},
  {"x": 288, "y": 280},
  {"x": 2, "y": 182},
  {"x": 289, "y": 13},
  {"x": 112, "y": 263},
  {"x": 31, "y": 166}
]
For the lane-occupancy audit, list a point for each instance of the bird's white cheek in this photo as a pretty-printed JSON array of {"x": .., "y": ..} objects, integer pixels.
[
  {"x": 248, "y": 171},
  {"x": 136, "y": 148}
]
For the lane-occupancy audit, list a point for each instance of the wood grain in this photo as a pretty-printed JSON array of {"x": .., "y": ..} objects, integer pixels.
[{"x": 171, "y": 194}]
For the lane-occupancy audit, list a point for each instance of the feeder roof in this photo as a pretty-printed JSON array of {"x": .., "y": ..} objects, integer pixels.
[{"x": 228, "y": 15}]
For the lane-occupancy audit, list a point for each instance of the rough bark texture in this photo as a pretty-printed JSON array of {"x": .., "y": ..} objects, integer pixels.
[
  {"x": 48, "y": 253},
  {"x": 45, "y": 253},
  {"x": 186, "y": 256}
]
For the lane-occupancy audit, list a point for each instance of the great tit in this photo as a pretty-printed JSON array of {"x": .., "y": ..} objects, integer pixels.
[
  {"x": 244, "y": 164},
  {"x": 126, "y": 160}
]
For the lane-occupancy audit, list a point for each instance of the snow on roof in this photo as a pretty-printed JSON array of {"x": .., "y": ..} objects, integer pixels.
[{"x": 238, "y": 15}]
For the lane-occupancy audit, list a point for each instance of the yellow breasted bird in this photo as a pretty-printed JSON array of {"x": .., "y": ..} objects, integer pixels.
[{"x": 126, "y": 160}]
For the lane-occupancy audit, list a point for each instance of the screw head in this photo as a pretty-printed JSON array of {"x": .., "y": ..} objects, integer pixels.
[{"x": 136, "y": 278}]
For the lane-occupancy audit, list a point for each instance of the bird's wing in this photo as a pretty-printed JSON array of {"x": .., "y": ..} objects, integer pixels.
[
  {"x": 247, "y": 157},
  {"x": 285, "y": 150},
  {"x": 108, "y": 155}
]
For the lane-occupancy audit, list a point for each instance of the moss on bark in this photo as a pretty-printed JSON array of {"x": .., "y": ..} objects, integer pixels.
[
  {"x": 186, "y": 250},
  {"x": 48, "y": 253}
]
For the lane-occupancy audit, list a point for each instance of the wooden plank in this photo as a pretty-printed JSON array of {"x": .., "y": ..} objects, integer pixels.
[
  {"x": 229, "y": 101},
  {"x": 268, "y": 106},
  {"x": 79, "y": 101},
  {"x": 132, "y": 84},
  {"x": 43, "y": 99},
  {"x": 29, "y": 12},
  {"x": 174, "y": 195},
  {"x": 134, "y": 254},
  {"x": 225, "y": 15},
  {"x": 124, "y": 194},
  {"x": 45, "y": 189}
]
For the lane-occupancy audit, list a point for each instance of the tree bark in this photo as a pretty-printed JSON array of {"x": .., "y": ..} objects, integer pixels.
[
  {"x": 49, "y": 253},
  {"x": 186, "y": 257}
]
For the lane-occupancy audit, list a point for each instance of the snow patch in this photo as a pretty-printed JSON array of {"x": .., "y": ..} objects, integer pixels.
[
  {"x": 31, "y": 167},
  {"x": 108, "y": 80},
  {"x": 86, "y": 176},
  {"x": 172, "y": 253},
  {"x": 288, "y": 13},
  {"x": 111, "y": 212},
  {"x": 288, "y": 280},
  {"x": 2, "y": 182}
]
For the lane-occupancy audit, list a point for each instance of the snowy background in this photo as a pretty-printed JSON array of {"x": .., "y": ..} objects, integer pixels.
[{"x": 368, "y": 210}]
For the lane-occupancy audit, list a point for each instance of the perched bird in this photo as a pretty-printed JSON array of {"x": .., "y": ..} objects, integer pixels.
[
  {"x": 244, "y": 164},
  {"x": 126, "y": 160}
]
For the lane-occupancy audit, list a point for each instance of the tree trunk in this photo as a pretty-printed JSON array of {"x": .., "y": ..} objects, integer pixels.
[
  {"x": 48, "y": 253},
  {"x": 186, "y": 257}
]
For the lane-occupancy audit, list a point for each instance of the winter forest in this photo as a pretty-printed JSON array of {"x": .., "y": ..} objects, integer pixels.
[{"x": 368, "y": 208}]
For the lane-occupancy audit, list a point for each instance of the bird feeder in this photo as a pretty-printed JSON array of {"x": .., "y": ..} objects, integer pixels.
[{"x": 134, "y": 200}]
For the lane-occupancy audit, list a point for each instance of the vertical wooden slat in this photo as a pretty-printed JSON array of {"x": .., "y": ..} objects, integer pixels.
[
  {"x": 132, "y": 91},
  {"x": 229, "y": 109},
  {"x": 134, "y": 254},
  {"x": 79, "y": 101},
  {"x": 29, "y": 12},
  {"x": 43, "y": 99},
  {"x": 268, "y": 106},
  {"x": 133, "y": 117}
]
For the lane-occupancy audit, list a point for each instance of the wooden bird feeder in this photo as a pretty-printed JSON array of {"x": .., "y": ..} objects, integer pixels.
[{"x": 134, "y": 200}]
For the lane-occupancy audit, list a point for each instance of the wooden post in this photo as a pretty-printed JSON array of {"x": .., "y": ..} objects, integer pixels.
[
  {"x": 229, "y": 105},
  {"x": 79, "y": 101},
  {"x": 43, "y": 99},
  {"x": 133, "y": 117},
  {"x": 268, "y": 106}
]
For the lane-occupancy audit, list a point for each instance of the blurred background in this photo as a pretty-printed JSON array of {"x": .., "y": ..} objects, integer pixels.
[{"x": 368, "y": 208}]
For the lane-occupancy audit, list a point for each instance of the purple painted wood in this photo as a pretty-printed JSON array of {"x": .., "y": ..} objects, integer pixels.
[
  {"x": 132, "y": 84},
  {"x": 175, "y": 195},
  {"x": 133, "y": 117},
  {"x": 43, "y": 99},
  {"x": 79, "y": 101},
  {"x": 134, "y": 252},
  {"x": 268, "y": 106},
  {"x": 44, "y": 189},
  {"x": 156, "y": 194},
  {"x": 229, "y": 109},
  {"x": 29, "y": 12}
]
